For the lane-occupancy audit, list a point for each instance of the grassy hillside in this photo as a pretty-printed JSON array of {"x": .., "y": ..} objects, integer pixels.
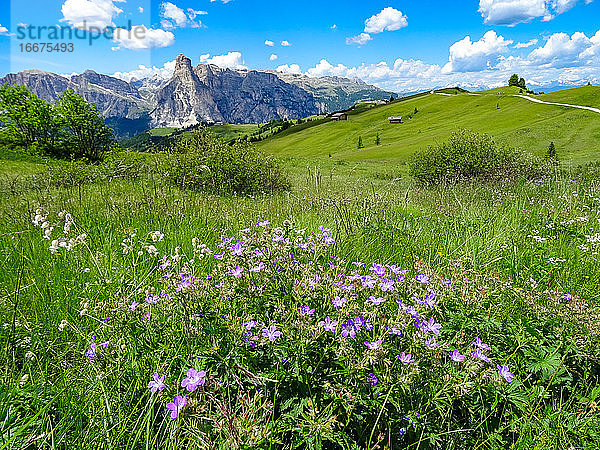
[
  {"x": 509, "y": 119},
  {"x": 586, "y": 96}
]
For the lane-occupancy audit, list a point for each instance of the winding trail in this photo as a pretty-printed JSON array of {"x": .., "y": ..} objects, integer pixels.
[{"x": 589, "y": 108}]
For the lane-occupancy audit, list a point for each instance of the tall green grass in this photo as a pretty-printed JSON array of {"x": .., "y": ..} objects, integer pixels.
[{"x": 513, "y": 249}]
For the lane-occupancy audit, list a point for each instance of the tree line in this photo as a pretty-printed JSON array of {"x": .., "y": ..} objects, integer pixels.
[{"x": 71, "y": 128}]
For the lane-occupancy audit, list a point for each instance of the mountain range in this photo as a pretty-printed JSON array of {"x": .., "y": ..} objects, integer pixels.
[{"x": 201, "y": 94}]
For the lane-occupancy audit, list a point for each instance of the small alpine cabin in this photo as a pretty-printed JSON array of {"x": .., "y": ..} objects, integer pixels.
[{"x": 339, "y": 116}]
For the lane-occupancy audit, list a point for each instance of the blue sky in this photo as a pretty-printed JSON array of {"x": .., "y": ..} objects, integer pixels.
[{"x": 398, "y": 45}]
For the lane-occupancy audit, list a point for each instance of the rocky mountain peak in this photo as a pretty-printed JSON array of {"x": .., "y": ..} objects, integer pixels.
[{"x": 183, "y": 63}]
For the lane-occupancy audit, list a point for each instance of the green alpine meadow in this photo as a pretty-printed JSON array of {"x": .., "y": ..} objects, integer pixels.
[{"x": 246, "y": 225}]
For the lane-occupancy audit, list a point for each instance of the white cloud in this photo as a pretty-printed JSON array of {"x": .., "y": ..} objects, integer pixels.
[
  {"x": 528, "y": 44},
  {"x": 84, "y": 14},
  {"x": 485, "y": 63},
  {"x": 471, "y": 56},
  {"x": 142, "y": 38},
  {"x": 192, "y": 13},
  {"x": 292, "y": 68},
  {"x": 164, "y": 72},
  {"x": 174, "y": 17},
  {"x": 4, "y": 31},
  {"x": 324, "y": 68},
  {"x": 389, "y": 19},
  {"x": 232, "y": 60},
  {"x": 140, "y": 9},
  {"x": 359, "y": 40},
  {"x": 273, "y": 57},
  {"x": 269, "y": 43},
  {"x": 514, "y": 12},
  {"x": 333, "y": 27},
  {"x": 285, "y": 44},
  {"x": 562, "y": 50}
]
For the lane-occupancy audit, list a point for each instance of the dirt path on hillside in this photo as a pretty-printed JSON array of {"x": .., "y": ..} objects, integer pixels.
[{"x": 589, "y": 108}]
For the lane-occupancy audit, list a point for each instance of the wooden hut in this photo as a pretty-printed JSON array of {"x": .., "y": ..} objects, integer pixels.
[{"x": 339, "y": 116}]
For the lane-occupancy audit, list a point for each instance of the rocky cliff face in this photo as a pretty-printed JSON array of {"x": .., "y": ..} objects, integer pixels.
[
  {"x": 184, "y": 100},
  {"x": 205, "y": 93},
  {"x": 210, "y": 94}
]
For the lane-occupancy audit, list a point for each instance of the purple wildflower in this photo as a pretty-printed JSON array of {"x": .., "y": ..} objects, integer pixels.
[
  {"x": 378, "y": 269},
  {"x": 412, "y": 312},
  {"x": 263, "y": 224},
  {"x": 164, "y": 262},
  {"x": 568, "y": 296},
  {"x": 375, "y": 300},
  {"x": 237, "y": 249},
  {"x": 456, "y": 356},
  {"x": 186, "y": 282},
  {"x": 374, "y": 345},
  {"x": 373, "y": 380},
  {"x": 386, "y": 285},
  {"x": 176, "y": 405},
  {"x": 430, "y": 325},
  {"x": 430, "y": 299},
  {"x": 405, "y": 358},
  {"x": 133, "y": 306},
  {"x": 251, "y": 339},
  {"x": 395, "y": 269},
  {"x": 395, "y": 330},
  {"x": 194, "y": 379},
  {"x": 91, "y": 353},
  {"x": 505, "y": 373},
  {"x": 431, "y": 343},
  {"x": 157, "y": 383},
  {"x": 369, "y": 282},
  {"x": 349, "y": 329},
  {"x": 328, "y": 324},
  {"x": 339, "y": 302},
  {"x": 271, "y": 333},
  {"x": 236, "y": 272},
  {"x": 219, "y": 255},
  {"x": 421, "y": 278},
  {"x": 250, "y": 324},
  {"x": 478, "y": 354},
  {"x": 480, "y": 344}
]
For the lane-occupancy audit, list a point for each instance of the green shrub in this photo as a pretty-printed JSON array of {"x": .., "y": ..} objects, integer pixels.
[
  {"x": 468, "y": 155},
  {"x": 73, "y": 128},
  {"x": 201, "y": 162}
]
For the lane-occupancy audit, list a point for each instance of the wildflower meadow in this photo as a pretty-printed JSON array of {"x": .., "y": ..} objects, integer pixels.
[{"x": 353, "y": 312}]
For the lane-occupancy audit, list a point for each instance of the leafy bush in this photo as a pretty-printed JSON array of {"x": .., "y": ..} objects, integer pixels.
[
  {"x": 201, "y": 162},
  {"x": 73, "y": 128},
  {"x": 468, "y": 155}
]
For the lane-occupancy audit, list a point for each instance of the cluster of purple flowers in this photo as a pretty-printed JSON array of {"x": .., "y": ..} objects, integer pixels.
[
  {"x": 186, "y": 283},
  {"x": 350, "y": 297},
  {"x": 191, "y": 382}
]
